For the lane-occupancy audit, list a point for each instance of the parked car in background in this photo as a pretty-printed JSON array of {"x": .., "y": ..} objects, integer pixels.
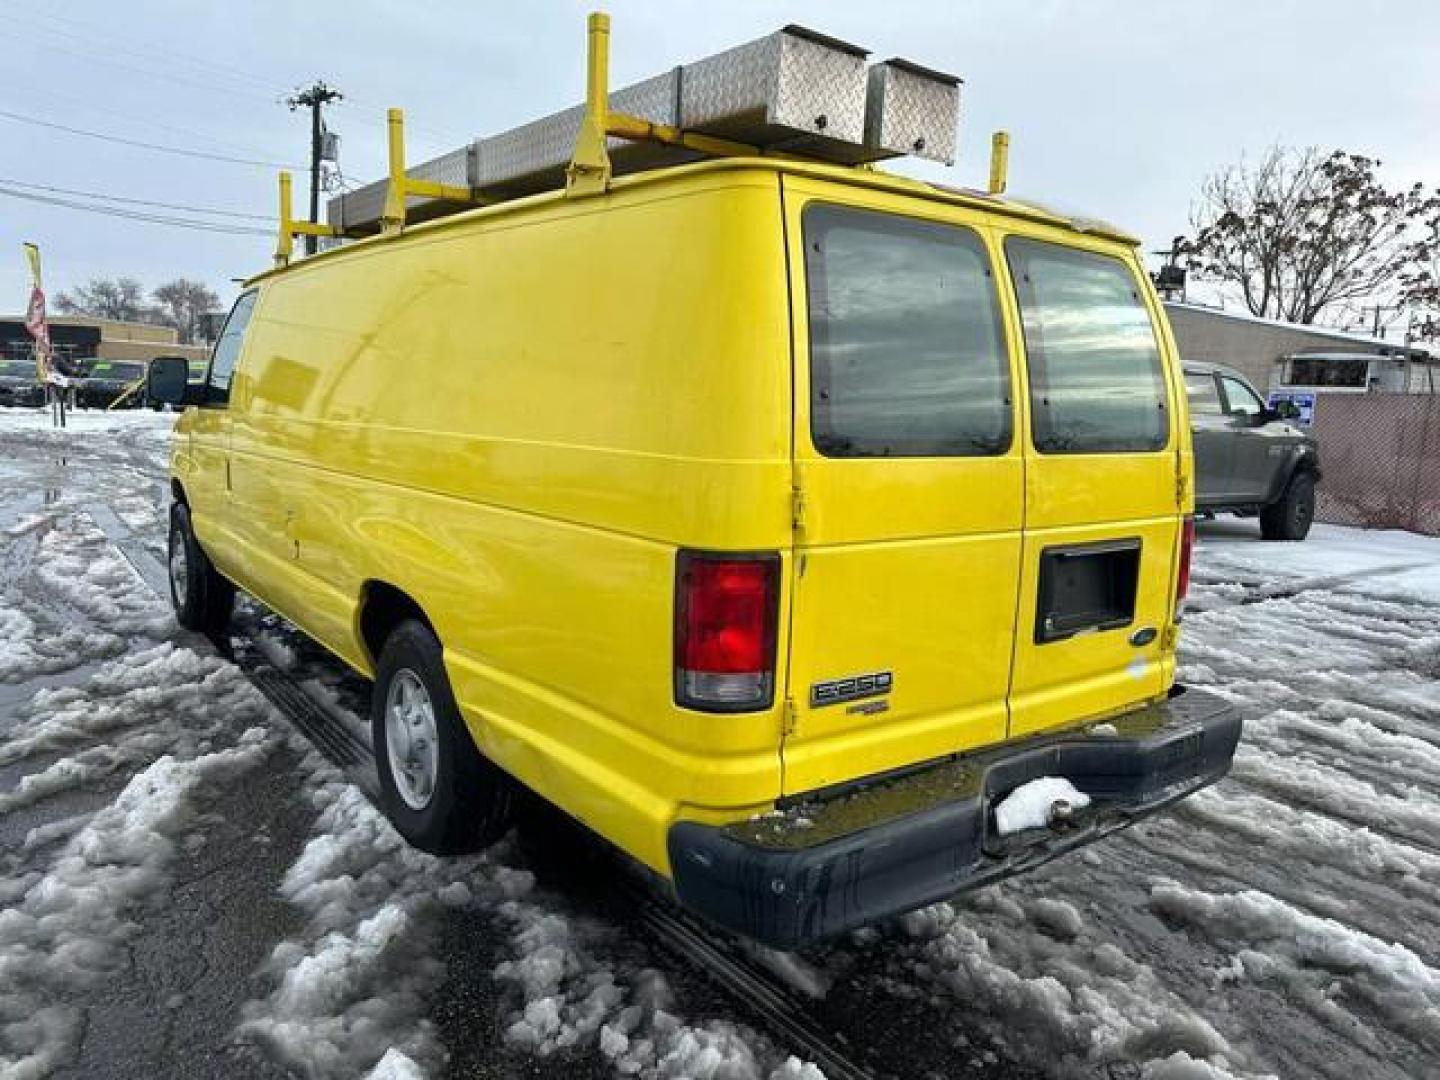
[
  {"x": 1250, "y": 459},
  {"x": 20, "y": 384},
  {"x": 104, "y": 381}
]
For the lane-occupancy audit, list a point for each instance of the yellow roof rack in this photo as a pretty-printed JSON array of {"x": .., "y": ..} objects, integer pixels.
[{"x": 794, "y": 93}]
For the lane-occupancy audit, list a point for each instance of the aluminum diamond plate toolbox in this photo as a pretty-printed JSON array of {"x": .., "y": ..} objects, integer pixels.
[
  {"x": 533, "y": 157},
  {"x": 360, "y": 210},
  {"x": 911, "y": 110},
  {"x": 794, "y": 89}
]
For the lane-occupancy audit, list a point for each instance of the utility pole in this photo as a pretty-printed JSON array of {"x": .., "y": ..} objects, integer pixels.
[
  {"x": 1171, "y": 278},
  {"x": 315, "y": 97}
]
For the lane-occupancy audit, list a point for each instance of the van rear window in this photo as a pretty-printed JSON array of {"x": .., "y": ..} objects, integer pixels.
[
  {"x": 1096, "y": 383},
  {"x": 907, "y": 352}
]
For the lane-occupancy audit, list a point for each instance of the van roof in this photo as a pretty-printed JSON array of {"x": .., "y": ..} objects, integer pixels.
[{"x": 859, "y": 176}]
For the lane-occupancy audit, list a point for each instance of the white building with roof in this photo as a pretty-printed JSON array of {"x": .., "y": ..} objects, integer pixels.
[{"x": 1276, "y": 355}]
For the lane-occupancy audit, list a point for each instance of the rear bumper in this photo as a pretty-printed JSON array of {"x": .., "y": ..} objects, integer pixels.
[{"x": 833, "y": 862}]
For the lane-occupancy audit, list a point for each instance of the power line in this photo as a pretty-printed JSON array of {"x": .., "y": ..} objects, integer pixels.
[
  {"x": 143, "y": 121},
  {"x": 136, "y": 215},
  {"x": 149, "y": 68},
  {"x": 110, "y": 43},
  {"x": 138, "y": 202},
  {"x": 376, "y": 115},
  {"x": 181, "y": 151},
  {"x": 175, "y": 78}
]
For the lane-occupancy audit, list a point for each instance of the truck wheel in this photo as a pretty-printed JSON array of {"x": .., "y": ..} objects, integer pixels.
[
  {"x": 438, "y": 791},
  {"x": 203, "y": 599},
  {"x": 1289, "y": 517}
]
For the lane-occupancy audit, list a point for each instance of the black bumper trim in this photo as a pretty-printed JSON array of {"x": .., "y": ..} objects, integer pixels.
[{"x": 828, "y": 865}]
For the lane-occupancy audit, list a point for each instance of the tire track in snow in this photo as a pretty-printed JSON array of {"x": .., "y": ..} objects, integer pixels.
[
  {"x": 1386, "y": 888},
  {"x": 1351, "y": 981}
]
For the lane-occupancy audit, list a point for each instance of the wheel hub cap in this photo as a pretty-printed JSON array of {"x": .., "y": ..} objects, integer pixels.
[{"x": 411, "y": 739}]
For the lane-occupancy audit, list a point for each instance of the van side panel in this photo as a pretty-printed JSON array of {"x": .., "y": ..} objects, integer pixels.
[{"x": 516, "y": 419}]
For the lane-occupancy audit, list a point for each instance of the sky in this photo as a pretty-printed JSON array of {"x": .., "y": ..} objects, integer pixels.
[{"x": 1117, "y": 108}]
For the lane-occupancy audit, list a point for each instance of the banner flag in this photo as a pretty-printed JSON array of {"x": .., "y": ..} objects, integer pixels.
[{"x": 35, "y": 315}]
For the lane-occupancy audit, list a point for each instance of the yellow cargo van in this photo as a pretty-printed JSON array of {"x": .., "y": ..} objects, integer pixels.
[{"x": 779, "y": 521}]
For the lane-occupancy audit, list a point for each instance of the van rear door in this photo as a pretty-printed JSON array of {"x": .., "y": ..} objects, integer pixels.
[
  {"x": 908, "y": 485},
  {"x": 1103, "y": 480}
]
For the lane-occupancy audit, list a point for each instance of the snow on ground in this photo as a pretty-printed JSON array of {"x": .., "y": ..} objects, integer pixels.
[
  {"x": 112, "y": 706},
  {"x": 1285, "y": 922},
  {"x": 113, "y": 738},
  {"x": 351, "y": 992},
  {"x": 64, "y": 929}
]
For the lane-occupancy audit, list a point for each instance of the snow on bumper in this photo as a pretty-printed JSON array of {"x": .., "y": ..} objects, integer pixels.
[{"x": 838, "y": 860}]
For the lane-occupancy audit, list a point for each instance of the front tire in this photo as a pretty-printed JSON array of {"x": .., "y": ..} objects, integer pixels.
[
  {"x": 1290, "y": 516},
  {"x": 438, "y": 791},
  {"x": 202, "y": 598}
]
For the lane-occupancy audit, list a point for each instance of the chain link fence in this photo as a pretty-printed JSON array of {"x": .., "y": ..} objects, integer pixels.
[{"x": 1380, "y": 456}]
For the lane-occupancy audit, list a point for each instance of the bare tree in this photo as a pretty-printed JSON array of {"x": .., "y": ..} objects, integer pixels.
[
  {"x": 184, "y": 305},
  {"x": 121, "y": 298},
  {"x": 1302, "y": 231},
  {"x": 1420, "y": 279}
]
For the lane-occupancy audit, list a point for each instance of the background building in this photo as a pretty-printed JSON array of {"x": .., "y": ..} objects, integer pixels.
[
  {"x": 1262, "y": 348},
  {"x": 78, "y": 338}
]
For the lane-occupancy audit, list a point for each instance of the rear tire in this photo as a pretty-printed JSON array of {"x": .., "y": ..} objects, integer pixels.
[
  {"x": 441, "y": 795},
  {"x": 203, "y": 599},
  {"x": 1290, "y": 516}
]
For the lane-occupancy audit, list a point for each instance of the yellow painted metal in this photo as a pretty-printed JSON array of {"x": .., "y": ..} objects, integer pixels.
[
  {"x": 1080, "y": 498},
  {"x": 928, "y": 567},
  {"x": 285, "y": 243},
  {"x": 392, "y": 218},
  {"x": 435, "y": 190},
  {"x": 126, "y": 393},
  {"x": 401, "y": 186},
  {"x": 867, "y": 176},
  {"x": 289, "y": 228},
  {"x": 999, "y": 162},
  {"x": 909, "y": 565},
  {"x": 519, "y": 430},
  {"x": 589, "y": 171},
  {"x": 307, "y": 228},
  {"x": 498, "y": 416},
  {"x": 626, "y": 126}
]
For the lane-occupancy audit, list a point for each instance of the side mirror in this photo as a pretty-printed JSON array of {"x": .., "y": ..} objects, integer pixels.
[
  {"x": 168, "y": 382},
  {"x": 1287, "y": 410}
]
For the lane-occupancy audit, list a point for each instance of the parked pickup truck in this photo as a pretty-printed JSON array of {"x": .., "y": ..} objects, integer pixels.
[{"x": 1249, "y": 459}]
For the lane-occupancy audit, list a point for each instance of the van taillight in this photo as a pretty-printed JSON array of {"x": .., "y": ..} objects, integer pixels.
[
  {"x": 1187, "y": 545},
  {"x": 726, "y": 608}
]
